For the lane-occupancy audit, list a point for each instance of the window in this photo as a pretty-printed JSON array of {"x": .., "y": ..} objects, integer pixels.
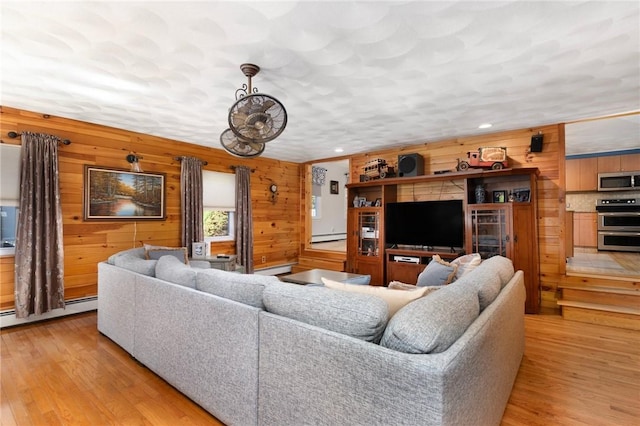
[
  {"x": 219, "y": 205},
  {"x": 316, "y": 210},
  {"x": 9, "y": 196}
]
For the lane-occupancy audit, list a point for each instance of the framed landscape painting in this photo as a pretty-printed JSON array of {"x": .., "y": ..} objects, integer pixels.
[{"x": 114, "y": 194}]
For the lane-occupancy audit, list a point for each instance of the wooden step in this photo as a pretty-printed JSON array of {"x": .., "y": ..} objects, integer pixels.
[
  {"x": 307, "y": 263},
  {"x": 621, "y": 297},
  {"x": 593, "y": 313}
]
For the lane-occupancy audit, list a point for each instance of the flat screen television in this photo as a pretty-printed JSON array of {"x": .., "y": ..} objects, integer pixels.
[{"x": 425, "y": 224}]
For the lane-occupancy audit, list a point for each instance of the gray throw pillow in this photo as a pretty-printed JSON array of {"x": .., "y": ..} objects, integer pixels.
[
  {"x": 170, "y": 268},
  {"x": 431, "y": 324},
  {"x": 437, "y": 272},
  {"x": 178, "y": 252}
]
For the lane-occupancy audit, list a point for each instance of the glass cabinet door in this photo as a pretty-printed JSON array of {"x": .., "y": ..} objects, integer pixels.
[
  {"x": 368, "y": 233},
  {"x": 490, "y": 232}
]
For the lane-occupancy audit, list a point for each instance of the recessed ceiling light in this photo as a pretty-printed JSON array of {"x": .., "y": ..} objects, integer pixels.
[
  {"x": 485, "y": 126},
  {"x": 338, "y": 150}
]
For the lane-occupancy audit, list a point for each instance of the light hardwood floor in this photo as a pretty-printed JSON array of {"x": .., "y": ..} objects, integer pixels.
[{"x": 64, "y": 372}]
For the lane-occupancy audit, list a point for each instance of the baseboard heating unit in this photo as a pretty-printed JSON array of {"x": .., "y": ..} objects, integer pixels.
[{"x": 74, "y": 306}]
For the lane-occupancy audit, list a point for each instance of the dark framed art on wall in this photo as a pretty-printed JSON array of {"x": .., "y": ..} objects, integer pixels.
[
  {"x": 334, "y": 187},
  {"x": 116, "y": 194}
]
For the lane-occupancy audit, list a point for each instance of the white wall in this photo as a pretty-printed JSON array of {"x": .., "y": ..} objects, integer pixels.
[{"x": 333, "y": 214}]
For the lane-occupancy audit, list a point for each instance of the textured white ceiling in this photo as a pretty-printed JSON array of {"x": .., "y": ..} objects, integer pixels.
[{"x": 354, "y": 75}]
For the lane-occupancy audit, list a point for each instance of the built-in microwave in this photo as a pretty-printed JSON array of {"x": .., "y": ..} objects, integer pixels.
[{"x": 618, "y": 181}]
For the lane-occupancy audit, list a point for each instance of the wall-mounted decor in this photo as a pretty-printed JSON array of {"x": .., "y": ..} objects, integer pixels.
[
  {"x": 334, "y": 187},
  {"x": 499, "y": 196},
  {"x": 116, "y": 194}
]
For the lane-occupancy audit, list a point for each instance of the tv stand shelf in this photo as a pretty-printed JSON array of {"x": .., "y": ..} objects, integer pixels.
[{"x": 407, "y": 271}]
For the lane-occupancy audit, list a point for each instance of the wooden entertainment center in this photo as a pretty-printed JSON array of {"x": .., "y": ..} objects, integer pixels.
[{"x": 503, "y": 224}]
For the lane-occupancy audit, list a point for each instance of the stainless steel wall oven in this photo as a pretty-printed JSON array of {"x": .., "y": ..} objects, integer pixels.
[{"x": 619, "y": 224}]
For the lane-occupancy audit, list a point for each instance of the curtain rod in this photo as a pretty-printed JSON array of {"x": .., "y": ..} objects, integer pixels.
[
  {"x": 14, "y": 135},
  {"x": 204, "y": 163},
  {"x": 234, "y": 167}
]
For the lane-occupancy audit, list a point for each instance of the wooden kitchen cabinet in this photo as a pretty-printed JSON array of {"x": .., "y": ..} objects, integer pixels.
[
  {"x": 608, "y": 164},
  {"x": 568, "y": 234},
  {"x": 582, "y": 174},
  {"x": 630, "y": 162},
  {"x": 619, "y": 163},
  {"x": 585, "y": 229}
]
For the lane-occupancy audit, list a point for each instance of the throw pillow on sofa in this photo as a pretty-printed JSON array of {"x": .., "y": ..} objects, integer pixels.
[
  {"x": 170, "y": 268},
  {"x": 466, "y": 264},
  {"x": 395, "y": 299},
  {"x": 156, "y": 252},
  {"x": 432, "y": 324},
  {"x": 399, "y": 285},
  {"x": 362, "y": 316},
  {"x": 437, "y": 272}
]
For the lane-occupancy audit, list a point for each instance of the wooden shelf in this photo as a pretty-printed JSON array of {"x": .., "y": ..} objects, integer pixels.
[{"x": 470, "y": 174}]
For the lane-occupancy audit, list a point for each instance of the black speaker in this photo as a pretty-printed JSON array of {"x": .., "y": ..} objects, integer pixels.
[
  {"x": 410, "y": 165},
  {"x": 536, "y": 143}
]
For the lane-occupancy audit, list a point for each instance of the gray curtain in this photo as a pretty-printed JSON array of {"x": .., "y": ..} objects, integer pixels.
[
  {"x": 39, "y": 258},
  {"x": 191, "y": 212},
  {"x": 244, "y": 220}
]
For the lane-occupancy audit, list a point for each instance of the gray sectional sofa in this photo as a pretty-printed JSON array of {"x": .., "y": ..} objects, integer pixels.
[{"x": 253, "y": 350}]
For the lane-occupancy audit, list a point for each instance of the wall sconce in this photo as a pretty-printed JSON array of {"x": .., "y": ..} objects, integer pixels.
[
  {"x": 133, "y": 160},
  {"x": 273, "y": 188}
]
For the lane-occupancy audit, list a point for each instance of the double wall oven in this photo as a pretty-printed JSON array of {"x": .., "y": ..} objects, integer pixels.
[{"x": 619, "y": 224}]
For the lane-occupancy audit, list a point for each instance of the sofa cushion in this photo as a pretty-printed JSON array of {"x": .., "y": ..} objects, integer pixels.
[
  {"x": 432, "y": 324},
  {"x": 502, "y": 267},
  {"x": 156, "y": 252},
  {"x": 395, "y": 299},
  {"x": 170, "y": 268},
  {"x": 437, "y": 272},
  {"x": 134, "y": 260},
  {"x": 487, "y": 284},
  {"x": 362, "y": 316},
  {"x": 466, "y": 264},
  {"x": 242, "y": 288}
]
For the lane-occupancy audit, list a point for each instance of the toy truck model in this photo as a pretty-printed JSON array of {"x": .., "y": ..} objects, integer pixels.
[
  {"x": 494, "y": 158},
  {"x": 376, "y": 169}
]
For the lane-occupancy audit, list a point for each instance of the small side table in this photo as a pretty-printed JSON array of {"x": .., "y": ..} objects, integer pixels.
[{"x": 228, "y": 263}]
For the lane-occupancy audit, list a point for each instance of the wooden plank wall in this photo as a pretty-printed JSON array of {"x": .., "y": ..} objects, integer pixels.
[
  {"x": 276, "y": 226},
  {"x": 443, "y": 155}
]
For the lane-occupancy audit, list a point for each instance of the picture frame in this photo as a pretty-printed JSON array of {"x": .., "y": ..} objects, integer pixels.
[
  {"x": 363, "y": 201},
  {"x": 378, "y": 202},
  {"x": 522, "y": 195},
  {"x": 118, "y": 194},
  {"x": 499, "y": 196},
  {"x": 333, "y": 187},
  {"x": 199, "y": 250}
]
